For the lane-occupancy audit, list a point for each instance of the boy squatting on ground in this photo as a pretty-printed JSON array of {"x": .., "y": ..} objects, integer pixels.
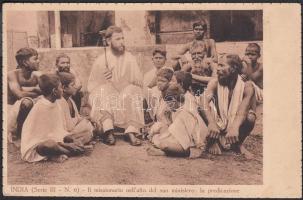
[
  {"x": 22, "y": 90},
  {"x": 42, "y": 138},
  {"x": 185, "y": 130},
  {"x": 232, "y": 118}
]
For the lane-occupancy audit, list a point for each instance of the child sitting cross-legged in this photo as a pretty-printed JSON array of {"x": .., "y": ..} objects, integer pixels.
[{"x": 43, "y": 131}]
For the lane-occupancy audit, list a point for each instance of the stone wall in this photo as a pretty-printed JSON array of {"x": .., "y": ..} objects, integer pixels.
[{"x": 82, "y": 59}]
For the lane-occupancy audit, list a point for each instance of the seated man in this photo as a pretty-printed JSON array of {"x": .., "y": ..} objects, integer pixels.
[
  {"x": 22, "y": 89},
  {"x": 232, "y": 120},
  {"x": 159, "y": 109},
  {"x": 185, "y": 130},
  {"x": 43, "y": 130},
  {"x": 199, "y": 31},
  {"x": 253, "y": 70},
  {"x": 115, "y": 86},
  {"x": 76, "y": 125},
  {"x": 63, "y": 65},
  {"x": 201, "y": 68}
]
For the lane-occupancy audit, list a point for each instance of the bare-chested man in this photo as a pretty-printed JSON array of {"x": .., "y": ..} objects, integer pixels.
[
  {"x": 231, "y": 120},
  {"x": 22, "y": 89},
  {"x": 252, "y": 69},
  {"x": 202, "y": 68},
  {"x": 199, "y": 30}
]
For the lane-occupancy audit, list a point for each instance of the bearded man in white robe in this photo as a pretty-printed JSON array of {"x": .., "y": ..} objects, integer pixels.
[{"x": 115, "y": 90}]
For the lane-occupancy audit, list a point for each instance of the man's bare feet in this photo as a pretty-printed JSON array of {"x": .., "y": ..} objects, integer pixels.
[
  {"x": 133, "y": 140},
  {"x": 152, "y": 151},
  {"x": 59, "y": 159},
  {"x": 240, "y": 149},
  {"x": 246, "y": 153},
  {"x": 195, "y": 153},
  {"x": 215, "y": 149}
]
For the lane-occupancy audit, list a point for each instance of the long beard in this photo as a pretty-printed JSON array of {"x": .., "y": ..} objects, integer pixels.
[
  {"x": 225, "y": 81},
  {"x": 118, "y": 51}
]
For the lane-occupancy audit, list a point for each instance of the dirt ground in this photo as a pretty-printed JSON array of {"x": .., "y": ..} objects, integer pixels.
[{"x": 125, "y": 164}]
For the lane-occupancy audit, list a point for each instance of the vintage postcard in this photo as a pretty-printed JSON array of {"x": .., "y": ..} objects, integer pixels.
[{"x": 152, "y": 100}]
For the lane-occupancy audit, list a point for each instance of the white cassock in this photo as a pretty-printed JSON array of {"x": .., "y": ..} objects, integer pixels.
[{"x": 118, "y": 101}]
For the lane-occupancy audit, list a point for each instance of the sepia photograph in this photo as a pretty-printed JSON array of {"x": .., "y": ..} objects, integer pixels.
[{"x": 133, "y": 97}]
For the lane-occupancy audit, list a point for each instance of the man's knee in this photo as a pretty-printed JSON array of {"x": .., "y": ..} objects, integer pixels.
[{"x": 26, "y": 104}]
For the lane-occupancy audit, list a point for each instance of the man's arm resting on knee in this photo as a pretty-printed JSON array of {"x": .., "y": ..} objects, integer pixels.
[
  {"x": 205, "y": 101},
  {"x": 233, "y": 131}
]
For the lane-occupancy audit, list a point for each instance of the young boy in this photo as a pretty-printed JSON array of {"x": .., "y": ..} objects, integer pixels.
[
  {"x": 78, "y": 127},
  {"x": 22, "y": 91},
  {"x": 43, "y": 130},
  {"x": 183, "y": 133},
  {"x": 159, "y": 60},
  {"x": 252, "y": 69},
  {"x": 184, "y": 79},
  {"x": 160, "y": 111}
]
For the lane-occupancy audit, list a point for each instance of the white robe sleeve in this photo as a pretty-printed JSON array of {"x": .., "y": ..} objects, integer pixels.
[{"x": 96, "y": 77}]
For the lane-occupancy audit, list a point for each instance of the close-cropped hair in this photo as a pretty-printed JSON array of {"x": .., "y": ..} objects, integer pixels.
[
  {"x": 66, "y": 78},
  {"x": 184, "y": 79},
  {"x": 165, "y": 73},
  {"x": 48, "y": 82}
]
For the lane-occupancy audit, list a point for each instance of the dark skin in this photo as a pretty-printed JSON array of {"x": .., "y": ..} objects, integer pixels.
[
  {"x": 23, "y": 82},
  {"x": 199, "y": 34},
  {"x": 252, "y": 69},
  {"x": 232, "y": 136},
  {"x": 199, "y": 59}
]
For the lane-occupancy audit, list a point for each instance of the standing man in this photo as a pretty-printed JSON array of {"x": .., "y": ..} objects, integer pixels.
[
  {"x": 115, "y": 88},
  {"x": 63, "y": 65},
  {"x": 22, "y": 89}
]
